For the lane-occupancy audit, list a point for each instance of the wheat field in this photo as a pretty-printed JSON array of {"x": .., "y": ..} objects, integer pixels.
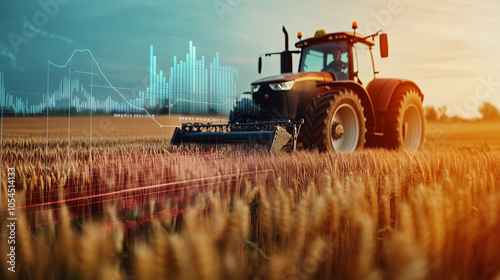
[{"x": 135, "y": 208}]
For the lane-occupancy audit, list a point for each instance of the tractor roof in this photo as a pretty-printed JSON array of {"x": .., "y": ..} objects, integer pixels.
[{"x": 321, "y": 37}]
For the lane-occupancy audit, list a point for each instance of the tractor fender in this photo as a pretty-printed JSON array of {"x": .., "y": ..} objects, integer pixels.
[
  {"x": 381, "y": 92},
  {"x": 366, "y": 102}
]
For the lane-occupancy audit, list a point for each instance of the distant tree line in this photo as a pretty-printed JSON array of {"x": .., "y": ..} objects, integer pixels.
[{"x": 487, "y": 110}]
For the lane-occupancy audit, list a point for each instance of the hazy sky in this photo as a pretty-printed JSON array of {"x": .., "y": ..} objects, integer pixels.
[{"x": 449, "y": 48}]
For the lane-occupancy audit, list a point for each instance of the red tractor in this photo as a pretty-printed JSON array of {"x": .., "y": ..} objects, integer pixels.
[{"x": 333, "y": 103}]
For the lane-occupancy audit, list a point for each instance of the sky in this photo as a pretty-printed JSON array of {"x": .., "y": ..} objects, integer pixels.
[{"x": 449, "y": 48}]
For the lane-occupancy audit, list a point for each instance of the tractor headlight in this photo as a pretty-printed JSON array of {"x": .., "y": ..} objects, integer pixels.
[
  {"x": 282, "y": 86},
  {"x": 255, "y": 88}
]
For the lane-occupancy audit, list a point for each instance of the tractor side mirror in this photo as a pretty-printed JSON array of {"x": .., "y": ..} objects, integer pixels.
[
  {"x": 260, "y": 64},
  {"x": 384, "y": 45}
]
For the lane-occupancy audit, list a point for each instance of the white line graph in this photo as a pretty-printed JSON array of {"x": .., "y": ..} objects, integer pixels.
[{"x": 108, "y": 82}]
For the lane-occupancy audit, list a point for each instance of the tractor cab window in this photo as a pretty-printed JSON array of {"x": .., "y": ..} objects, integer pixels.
[
  {"x": 363, "y": 64},
  {"x": 329, "y": 57}
]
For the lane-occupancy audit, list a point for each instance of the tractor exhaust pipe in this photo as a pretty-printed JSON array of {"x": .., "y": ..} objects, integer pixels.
[
  {"x": 286, "y": 38},
  {"x": 286, "y": 56}
]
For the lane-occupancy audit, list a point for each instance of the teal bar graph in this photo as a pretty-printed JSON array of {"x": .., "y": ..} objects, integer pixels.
[{"x": 187, "y": 86}]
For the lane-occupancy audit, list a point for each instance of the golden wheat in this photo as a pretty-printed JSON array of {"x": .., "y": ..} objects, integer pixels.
[{"x": 236, "y": 214}]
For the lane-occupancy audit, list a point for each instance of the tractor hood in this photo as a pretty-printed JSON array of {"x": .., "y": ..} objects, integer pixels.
[{"x": 297, "y": 77}]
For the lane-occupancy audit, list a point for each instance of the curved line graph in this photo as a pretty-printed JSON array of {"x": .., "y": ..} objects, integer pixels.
[{"x": 107, "y": 81}]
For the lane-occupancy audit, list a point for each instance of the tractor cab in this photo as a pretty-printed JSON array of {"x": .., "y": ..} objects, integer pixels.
[
  {"x": 331, "y": 57},
  {"x": 344, "y": 55}
]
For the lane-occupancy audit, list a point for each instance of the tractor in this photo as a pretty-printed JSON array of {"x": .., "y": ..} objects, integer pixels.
[{"x": 335, "y": 102}]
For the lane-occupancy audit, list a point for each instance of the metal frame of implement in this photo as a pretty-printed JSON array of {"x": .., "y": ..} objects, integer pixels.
[{"x": 277, "y": 135}]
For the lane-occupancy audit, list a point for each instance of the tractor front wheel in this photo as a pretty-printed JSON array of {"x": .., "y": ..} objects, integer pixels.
[
  {"x": 238, "y": 116},
  {"x": 334, "y": 122}
]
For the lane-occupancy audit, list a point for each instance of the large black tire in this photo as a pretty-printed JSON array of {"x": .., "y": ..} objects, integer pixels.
[
  {"x": 323, "y": 116},
  {"x": 405, "y": 120},
  {"x": 238, "y": 116}
]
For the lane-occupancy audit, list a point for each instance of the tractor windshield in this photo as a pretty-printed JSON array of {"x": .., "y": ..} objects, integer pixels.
[{"x": 330, "y": 57}]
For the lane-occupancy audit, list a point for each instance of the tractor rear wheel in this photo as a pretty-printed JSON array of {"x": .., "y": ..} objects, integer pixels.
[
  {"x": 405, "y": 122},
  {"x": 334, "y": 122}
]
